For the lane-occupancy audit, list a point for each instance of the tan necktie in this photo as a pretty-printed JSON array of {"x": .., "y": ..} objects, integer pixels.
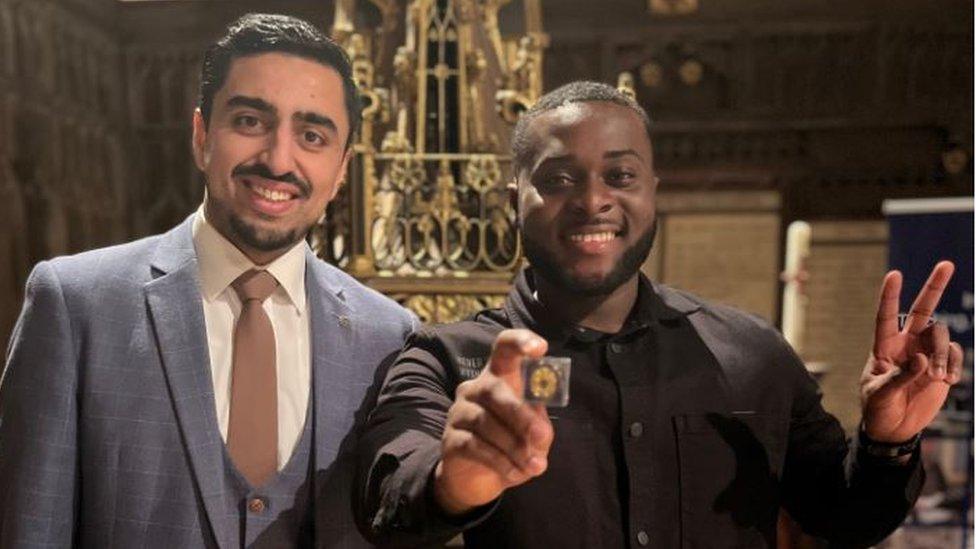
[{"x": 252, "y": 436}]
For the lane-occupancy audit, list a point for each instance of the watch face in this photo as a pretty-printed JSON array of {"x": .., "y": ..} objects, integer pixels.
[{"x": 546, "y": 380}]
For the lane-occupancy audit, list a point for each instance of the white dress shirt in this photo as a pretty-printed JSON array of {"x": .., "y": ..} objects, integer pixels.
[{"x": 220, "y": 263}]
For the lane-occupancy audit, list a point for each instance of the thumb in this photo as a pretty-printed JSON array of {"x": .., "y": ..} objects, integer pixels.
[
  {"x": 918, "y": 365},
  {"x": 510, "y": 347}
]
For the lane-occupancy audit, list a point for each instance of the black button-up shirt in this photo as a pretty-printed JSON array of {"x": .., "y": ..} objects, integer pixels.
[{"x": 675, "y": 435}]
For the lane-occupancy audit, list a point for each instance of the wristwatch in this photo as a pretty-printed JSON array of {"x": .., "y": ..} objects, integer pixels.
[{"x": 887, "y": 450}]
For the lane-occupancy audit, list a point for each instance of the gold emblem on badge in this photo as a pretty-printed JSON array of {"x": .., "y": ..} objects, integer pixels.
[{"x": 543, "y": 382}]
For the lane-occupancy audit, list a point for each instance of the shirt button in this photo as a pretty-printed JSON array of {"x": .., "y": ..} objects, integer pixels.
[
  {"x": 616, "y": 347},
  {"x": 643, "y": 538},
  {"x": 256, "y": 505},
  {"x": 636, "y": 429}
]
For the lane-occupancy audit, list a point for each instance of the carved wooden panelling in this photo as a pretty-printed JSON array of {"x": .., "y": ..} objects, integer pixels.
[
  {"x": 63, "y": 167},
  {"x": 162, "y": 94},
  {"x": 781, "y": 70}
]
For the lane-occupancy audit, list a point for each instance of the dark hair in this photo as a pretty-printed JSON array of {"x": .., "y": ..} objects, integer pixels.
[
  {"x": 257, "y": 33},
  {"x": 580, "y": 91}
]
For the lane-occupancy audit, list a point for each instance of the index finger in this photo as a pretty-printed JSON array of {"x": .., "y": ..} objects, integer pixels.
[
  {"x": 510, "y": 347},
  {"x": 928, "y": 297},
  {"x": 886, "y": 324}
]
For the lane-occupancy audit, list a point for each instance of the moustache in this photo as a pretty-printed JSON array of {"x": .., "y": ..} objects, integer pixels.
[{"x": 262, "y": 171}]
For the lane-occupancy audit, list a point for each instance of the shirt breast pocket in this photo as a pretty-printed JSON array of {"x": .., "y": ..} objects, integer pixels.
[
  {"x": 566, "y": 495},
  {"x": 574, "y": 446},
  {"x": 729, "y": 467}
]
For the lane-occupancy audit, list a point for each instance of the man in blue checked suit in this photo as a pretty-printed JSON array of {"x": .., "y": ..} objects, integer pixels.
[{"x": 202, "y": 388}]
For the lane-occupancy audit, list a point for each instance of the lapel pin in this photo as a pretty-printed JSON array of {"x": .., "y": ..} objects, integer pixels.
[{"x": 344, "y": 321}]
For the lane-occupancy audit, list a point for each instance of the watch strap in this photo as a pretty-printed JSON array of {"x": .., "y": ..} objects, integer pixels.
[{"x": 887, "y": 450}]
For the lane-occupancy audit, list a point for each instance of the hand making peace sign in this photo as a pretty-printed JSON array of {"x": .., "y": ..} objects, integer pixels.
[{"x": 909, "y": 371}]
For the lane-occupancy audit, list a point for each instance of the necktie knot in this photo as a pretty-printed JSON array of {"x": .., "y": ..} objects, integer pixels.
[{"x": 255, "y": 284}]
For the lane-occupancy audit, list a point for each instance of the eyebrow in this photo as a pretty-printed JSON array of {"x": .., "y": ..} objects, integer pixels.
[
  {"x": 261, "y": 105},
  {"x": 558, "y": 158},
  {"x": 317, "y": 119},
  {"x": 253, "y": 102},
  {"x": 609, "y": 155},
  {"x": 621, "y": 153}
]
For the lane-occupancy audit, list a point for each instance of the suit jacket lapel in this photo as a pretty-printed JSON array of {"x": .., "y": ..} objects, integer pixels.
[
  {"x": 175, "y": 307},
  {"x": 331, "y": 347},
  {"x": 330, "y": 327}
]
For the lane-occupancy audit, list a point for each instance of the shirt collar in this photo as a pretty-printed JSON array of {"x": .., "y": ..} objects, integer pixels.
[
  {"x": 221, "y": 263},
  {"x": 525, "y": 311}
]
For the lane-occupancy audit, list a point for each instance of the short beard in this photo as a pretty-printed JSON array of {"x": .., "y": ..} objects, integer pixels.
[
  {"x": 546, "y": 266},
  {"x": 264, "y": 241}
]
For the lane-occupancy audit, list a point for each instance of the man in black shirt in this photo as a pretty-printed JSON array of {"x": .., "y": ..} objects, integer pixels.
[{"x": 689, "y": 424}]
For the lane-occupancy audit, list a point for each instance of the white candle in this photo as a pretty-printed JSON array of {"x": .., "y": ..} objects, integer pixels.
[{"x": 794, "y": 276}]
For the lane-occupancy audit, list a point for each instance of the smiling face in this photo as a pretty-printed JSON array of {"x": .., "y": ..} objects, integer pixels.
[
  {"x": 586, "y": 198},
  {"x": 273, "y": 152}
]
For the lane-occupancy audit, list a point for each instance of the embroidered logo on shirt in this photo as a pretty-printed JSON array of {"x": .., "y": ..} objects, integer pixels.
[{"x": 469, "y": 367}]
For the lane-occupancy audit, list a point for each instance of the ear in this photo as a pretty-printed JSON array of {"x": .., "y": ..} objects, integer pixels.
[
  {"x": 343, "y": 170},
  {"x": 200, "y": 156},
  {"x": 512, "y": 188}
]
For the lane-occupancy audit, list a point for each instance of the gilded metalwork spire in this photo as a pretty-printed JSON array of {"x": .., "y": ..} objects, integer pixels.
[{"x": 426, "y": 211}]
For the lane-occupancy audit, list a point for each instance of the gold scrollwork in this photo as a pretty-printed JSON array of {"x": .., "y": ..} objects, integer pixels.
[
  {"x": 440, "y": 308},
  {"x": 427, "y": 197},
  {"x": 482, "y": 173},
  {"x": 406, "y": 173},
  {"x": 443, "y": 226}
]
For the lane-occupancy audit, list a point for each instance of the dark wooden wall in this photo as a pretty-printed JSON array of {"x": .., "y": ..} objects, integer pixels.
[{"x": 836, "y": 104}]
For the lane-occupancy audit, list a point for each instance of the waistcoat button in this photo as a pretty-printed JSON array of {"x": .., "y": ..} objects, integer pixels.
[{"x": 256, "y": 505}]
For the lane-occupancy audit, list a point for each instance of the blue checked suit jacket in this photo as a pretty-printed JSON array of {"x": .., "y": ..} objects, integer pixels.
[{"x": 108, "y": 428}]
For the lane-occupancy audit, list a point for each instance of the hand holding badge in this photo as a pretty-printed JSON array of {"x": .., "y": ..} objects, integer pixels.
[{"x": 498, "y": 433}]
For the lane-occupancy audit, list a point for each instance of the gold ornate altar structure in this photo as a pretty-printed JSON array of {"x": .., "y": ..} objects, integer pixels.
[{"x": 425, "y": 215}]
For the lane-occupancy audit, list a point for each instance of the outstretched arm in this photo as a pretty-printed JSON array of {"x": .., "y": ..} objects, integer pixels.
[
  {"x": 493, "y": 440},
  {"x": 437, "y": 453}
]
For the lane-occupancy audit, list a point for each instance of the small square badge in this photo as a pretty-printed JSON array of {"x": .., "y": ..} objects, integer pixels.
[{"x": 546, "y": 380}]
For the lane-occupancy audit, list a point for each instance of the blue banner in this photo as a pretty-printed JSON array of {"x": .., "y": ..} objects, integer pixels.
[{"x": 922, "y": 233}]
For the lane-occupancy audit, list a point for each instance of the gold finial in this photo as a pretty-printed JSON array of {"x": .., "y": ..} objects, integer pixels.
[{"x": 625, "y": 83}]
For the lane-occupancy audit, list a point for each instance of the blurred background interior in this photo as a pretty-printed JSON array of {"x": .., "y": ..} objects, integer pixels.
[{"x": 839, "y": 114}]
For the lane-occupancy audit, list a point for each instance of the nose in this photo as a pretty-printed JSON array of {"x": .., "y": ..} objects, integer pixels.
[
  {"x": 593, "y": 197},
  {"x": 278, "y": 153}
]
